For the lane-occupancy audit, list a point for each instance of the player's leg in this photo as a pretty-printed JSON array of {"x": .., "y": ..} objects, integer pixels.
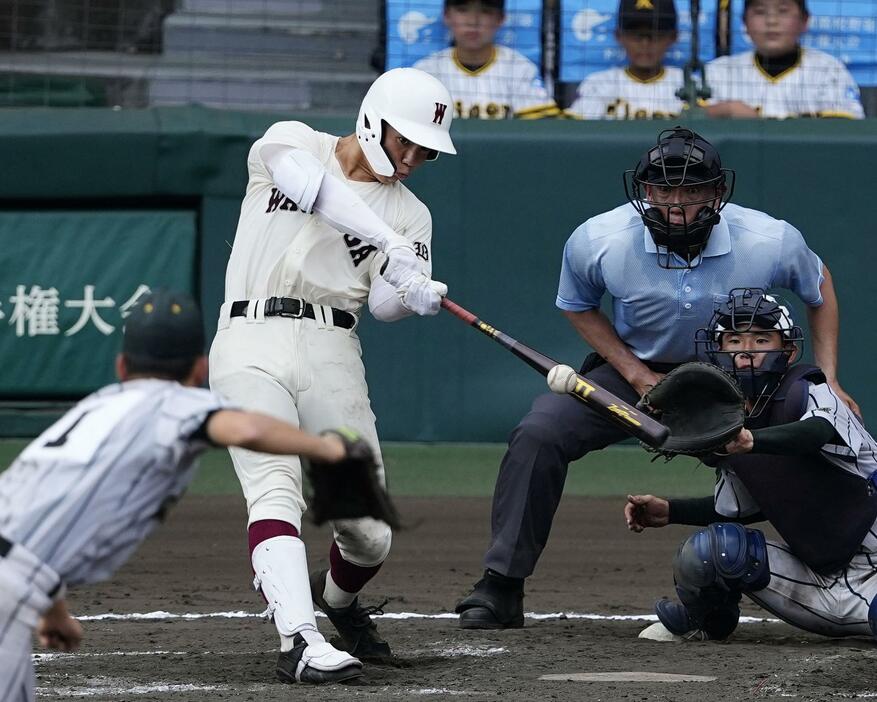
[
  {"x": 336, "y": 394},
  {"x": 24, "y": 581},
  {"x": 558, "y": 429},
  {"x": 832, "y": 605},
  {"x": 242, "y": 372},
  {"x": 712, "y": 569}
]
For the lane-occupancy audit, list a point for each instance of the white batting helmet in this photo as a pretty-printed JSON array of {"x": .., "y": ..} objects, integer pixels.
[{"x": 415, "y": 104}]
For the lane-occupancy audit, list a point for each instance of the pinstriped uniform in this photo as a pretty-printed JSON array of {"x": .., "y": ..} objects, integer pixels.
[
  {"x": 80, "y": 498},
  {"x": 834, "y": 605}
]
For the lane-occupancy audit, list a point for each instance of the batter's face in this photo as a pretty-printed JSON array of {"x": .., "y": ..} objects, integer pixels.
[
  {"x": 473, "y": 25},
  {"x": 681, "y": 204},
  {"x": 645, "y": 49},
  {"x": 405, "y": 155},
  {"x": 749, "y": 347},
  {"x": 775, "y": 26}
]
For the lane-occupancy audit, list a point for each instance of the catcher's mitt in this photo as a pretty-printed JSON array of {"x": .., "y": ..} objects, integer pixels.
[
  {"x": 701, "y": 404},
  {"x": 349, "y": 489}
]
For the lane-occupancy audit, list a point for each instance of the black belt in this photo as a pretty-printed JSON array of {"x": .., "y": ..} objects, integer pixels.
[
  {"x": 293, "y": 308},
  {"x": 5, "y": 547}
]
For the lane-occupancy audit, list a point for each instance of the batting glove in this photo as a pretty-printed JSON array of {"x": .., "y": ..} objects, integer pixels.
[
  {"x": 422, "y": 295},
  {"x": 402, "y": 265}
]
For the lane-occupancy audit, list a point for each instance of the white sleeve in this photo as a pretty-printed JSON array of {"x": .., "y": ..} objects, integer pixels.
[
  {"x": 825, "y": 404},
  {"x": 842, "y": 97},
  {"x": 300, "y": 176},
  {"x": 529, "y": 97},
  {"x": 591, "y": 99},
  {"x": 384, "y": 301}
]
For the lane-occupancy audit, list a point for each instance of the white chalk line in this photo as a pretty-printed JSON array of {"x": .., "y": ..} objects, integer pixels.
[{"x": 162, "y": 615}]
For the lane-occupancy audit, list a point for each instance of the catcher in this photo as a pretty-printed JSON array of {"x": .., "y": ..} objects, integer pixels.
[{"x": 803, "y": 462}]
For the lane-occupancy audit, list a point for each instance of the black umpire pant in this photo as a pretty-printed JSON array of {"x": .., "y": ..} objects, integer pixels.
[{"x": 559, "y": 429}]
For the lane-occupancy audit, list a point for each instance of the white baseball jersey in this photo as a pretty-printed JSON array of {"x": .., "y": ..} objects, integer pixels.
[
  {"x": 280, "y": 251},
  {"x": 830, "y": 605},
  {"x": 617, "y": 94},
  {"x": 90, "y": 488},
  {"x": 817, "y": 86},
  {"x": 509, "y": 85}
]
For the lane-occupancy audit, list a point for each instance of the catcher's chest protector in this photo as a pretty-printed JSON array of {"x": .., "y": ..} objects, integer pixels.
[{"x": 821, "y": 511}]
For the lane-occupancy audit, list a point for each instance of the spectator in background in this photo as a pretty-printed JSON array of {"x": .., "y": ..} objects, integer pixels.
[
  {"x": 486, "y": 80},
  {"x": 644, "y": 88},
  {"x": 779, "y": 78}
]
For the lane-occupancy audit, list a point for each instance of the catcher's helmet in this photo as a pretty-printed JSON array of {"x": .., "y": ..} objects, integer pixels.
[
  {"x": 680, "y": 158},
  {"x": 748, "y": 310},
  {"x": 415, "y": 104}
]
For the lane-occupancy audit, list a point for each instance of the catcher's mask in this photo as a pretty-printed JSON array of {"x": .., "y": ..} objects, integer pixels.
[
  {"x": 680, "y": 158},
  {"x": 749, "y": 310}
]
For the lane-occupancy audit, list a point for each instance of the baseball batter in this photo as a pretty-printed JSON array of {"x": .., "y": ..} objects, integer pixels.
[
  {"x": 78, "y": 500},
  {"x": 326, "y": 226},
  {"x": 803, "y": 459},
  {"x": 780, "y": 78},
  {"x": 644, "y": 88},
  {"x": 487, "y": 80}
]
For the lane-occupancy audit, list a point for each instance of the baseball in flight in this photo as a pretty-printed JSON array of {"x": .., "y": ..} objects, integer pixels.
[{"x": 561, "y": 379}]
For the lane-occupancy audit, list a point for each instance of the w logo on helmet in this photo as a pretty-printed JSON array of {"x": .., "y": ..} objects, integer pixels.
[{"x": 439, "y": 113}]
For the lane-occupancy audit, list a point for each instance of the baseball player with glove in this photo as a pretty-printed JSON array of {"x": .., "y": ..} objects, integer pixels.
[
  {"x": 326, "y": 226},
  {"x": 82, "y": 496},
  {"x": 664, "y": 258},
  {"x": 804, "y": 462}
]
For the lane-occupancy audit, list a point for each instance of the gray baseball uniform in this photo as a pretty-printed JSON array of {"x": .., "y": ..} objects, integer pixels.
[{"x": 78, "y": 500}]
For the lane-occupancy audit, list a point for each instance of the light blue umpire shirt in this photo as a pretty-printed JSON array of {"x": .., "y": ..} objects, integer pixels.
[{"x": 657, "y": 311}]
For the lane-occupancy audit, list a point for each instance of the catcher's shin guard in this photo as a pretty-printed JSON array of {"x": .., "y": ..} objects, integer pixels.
[{"x": 712, "y": 568}]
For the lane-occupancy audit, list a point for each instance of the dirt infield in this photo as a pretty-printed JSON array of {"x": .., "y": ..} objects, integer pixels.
[{"x": 197, "y": 564}]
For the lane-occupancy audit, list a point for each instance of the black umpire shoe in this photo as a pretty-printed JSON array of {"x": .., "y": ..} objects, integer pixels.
[
  {"x": 289, "y": 661},
  {"x": 497, "y": 602},
  {"x": 359, "y": 634}
]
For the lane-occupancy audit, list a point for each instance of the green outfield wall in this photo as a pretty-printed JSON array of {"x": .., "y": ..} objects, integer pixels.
[{"x": 96, "y": 203}]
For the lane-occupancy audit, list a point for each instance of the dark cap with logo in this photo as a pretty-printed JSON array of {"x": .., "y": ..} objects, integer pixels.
[
  {"x": 492, "y": 4},
  {"x": 639, "y": 15},
  {"x": 800, "y": 3},
  {"x": 164, "y": 326}
]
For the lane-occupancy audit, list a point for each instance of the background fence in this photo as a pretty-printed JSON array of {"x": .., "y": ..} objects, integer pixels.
[{"x": 502, "y": 211}]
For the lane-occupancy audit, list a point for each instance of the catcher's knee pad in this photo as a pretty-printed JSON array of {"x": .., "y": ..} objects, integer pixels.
[
  {"x": 725, "y": 555},
  {"x": 365, "y": 542}
]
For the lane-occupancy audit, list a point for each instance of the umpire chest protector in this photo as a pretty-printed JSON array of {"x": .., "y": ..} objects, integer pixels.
[{"x": 820, "y": 510}]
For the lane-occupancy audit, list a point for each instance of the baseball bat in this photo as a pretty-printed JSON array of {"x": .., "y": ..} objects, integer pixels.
[{"x": 604, "y": 402}]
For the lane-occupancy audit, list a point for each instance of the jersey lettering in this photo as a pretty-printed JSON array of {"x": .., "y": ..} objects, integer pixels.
[
  {"x": 492, "y": 110},
  {"x": 422, "y": 250},
  {"x": 277, "y": 200},
  {"x": 621, "y": 109},
  {"x": 358, "y": 253}
]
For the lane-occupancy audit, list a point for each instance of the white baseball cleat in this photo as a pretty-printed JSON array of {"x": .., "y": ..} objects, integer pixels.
[{"x": 317, "y": 663}]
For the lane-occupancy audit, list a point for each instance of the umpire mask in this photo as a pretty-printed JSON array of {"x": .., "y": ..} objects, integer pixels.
[{"x": 679, "y": 188}]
